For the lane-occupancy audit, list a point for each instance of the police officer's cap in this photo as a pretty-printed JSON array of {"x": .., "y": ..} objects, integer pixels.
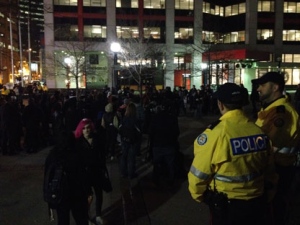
[
  {"x": 230, "y": 93},
  {"x": 274, "y": 77}
]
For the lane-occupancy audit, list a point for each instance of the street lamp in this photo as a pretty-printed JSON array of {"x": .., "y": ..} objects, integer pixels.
[
  {"x": 115, "y": 47},
  {"x": 278, "y": 59}
]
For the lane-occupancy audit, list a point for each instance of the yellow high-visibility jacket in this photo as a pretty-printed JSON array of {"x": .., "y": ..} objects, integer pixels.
[
  {"x": 280, "y": 121},
  {"x": 234, "y": 155}
]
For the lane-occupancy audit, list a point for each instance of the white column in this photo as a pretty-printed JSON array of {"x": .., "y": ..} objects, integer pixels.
[
  {"x": 49, "y": 68},
  {"x": 278, "y": 32},
  {"x": 111, "y": 33},
  {"x": 169, "y": 70},
  {"x": 251, "y": 22},
  {"x": 197, "y": 55}
]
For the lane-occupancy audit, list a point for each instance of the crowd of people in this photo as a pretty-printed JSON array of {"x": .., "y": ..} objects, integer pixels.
[
  {"x": 106, "y": 126},
  {"x": 99, "y": 126}
]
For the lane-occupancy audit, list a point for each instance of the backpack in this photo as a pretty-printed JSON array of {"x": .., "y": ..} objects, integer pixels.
[
  {"x": 55, "y": 184},
  {"x": 129, "y": 134}
]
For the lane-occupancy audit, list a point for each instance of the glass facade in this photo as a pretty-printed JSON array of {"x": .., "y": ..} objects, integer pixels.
[
  {"x": 291, "y": 7},
  {"x": 127, "y": 3},
  {"x": 291, "y": 35},
  {"x": 94, "y": 31},
  {"x": 188, "y": 5},
  {"x": 222, "y": 24},
  {"x": 127, "y": 32},
  {"x": 65, "y": 2},
  {"x": 234, "y": 10},
  {"x": 154, "y": 4},
  {"x": 264, "y": 34},
  {"x": 266, "y": 6}
]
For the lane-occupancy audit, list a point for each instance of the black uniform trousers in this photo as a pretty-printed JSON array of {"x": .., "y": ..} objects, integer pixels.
[{"x": 241, "y": 212}]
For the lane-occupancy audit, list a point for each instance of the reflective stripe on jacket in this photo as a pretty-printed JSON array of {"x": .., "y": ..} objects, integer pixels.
[{"x": 237, "y": 154}]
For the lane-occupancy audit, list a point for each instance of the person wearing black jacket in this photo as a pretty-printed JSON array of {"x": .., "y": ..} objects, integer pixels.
[
  {"x": 90, "y": 145},
  {"x": 163, "y": 133},
  {"x": 75, "y": 198}
]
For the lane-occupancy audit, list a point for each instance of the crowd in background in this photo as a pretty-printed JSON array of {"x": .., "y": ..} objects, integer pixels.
[{"x": 31, "y": 117}]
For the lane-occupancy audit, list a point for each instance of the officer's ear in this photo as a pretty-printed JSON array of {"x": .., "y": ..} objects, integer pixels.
[
  {"x": 275, "y": 87},
  {"x": 221, "y": 106}
]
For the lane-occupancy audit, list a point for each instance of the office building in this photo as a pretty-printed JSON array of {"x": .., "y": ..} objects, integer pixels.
[
  {"x": 31, "y": 17},
  {"x": 204, "y": 42},
  {"x": 9, "y": 41}
]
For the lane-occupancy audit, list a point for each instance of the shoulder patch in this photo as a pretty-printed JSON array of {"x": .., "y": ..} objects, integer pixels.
[
  {"x": 280, "y": 109},
  {"x": 212, "y": 125},
  {"x": 201, "y": 139}
]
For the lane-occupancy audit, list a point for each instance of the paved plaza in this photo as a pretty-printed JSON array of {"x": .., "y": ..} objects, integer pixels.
[{"x": 131, "y": 202}]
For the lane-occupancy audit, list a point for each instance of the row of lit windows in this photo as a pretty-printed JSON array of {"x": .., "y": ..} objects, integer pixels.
[
  {"x": 231, "y": 10},
  {"x": 152, "y": 4},
  {"x": 98, "y": 31},
  {"x": 295, "y": 58},
  {"x": 262, "y": 6},
  {"x": 232, "y": 37}
]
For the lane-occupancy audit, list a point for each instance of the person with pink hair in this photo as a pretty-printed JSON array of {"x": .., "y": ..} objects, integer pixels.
[{"x": 90, "y": 144}]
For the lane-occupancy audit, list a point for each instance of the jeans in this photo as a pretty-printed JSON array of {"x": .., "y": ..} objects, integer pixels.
[
  {"x": 79, "y": 209},
  {"x": 128, "y": 159},
  {"x": 164, "y": 156}
]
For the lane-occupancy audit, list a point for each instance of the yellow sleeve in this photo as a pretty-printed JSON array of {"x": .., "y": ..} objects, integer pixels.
[{"x": 200, "y": 173}]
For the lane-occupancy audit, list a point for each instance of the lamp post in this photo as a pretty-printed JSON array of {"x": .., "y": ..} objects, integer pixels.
[
  {"x": 278, "y": 59},
  {"x": 115, "y": 48}
]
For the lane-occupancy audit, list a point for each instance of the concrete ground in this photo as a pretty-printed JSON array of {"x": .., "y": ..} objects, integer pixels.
[{"x": 131, "y": 202}]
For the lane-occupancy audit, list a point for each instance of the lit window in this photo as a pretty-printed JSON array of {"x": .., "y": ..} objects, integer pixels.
[
  {"x": 94, "y": 31},
  {"x": 235, "y": 10},
  {"x": 290, "y": 7},
  {"x": 154, "y": 4},
  {"x": 291, "y": 35},
  {"x": 183, "y": 33},
  {"x": 127, "y": 32},
  {"x": 264, "y": 34},
  {"x": 152, "y": 32},
  {"x": 291, "y": 58},
  {"x": 209, "y": 36},
  {"x": 232, "y": 37},
  {"x": 287, "y": 58},
  {"x": 296, "y": 76},
  {"x": 265, "y": 6},
  {"x": 296, "y": 58},
  {"x": 65, "y": 2},
  {"x": 242, "y": 8},
  {"x": 188, "y": 4},
  {"x": 127, "y": 4},
  {"x": 227, "y": 11},
  {"x": 95, "y": 3}
]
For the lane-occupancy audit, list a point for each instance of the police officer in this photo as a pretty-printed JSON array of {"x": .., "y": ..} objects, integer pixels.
[
  {"x": 232, "y": 163},
  {"x": 280, "y": 121}
]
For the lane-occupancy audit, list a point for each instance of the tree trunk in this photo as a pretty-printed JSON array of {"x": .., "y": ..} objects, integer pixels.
[
  {"x": 140, "y": 87},
  {"x": 77, "y": 89}
]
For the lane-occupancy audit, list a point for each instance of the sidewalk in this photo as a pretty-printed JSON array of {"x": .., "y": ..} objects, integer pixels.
[{"x": 131, "y": 202}]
